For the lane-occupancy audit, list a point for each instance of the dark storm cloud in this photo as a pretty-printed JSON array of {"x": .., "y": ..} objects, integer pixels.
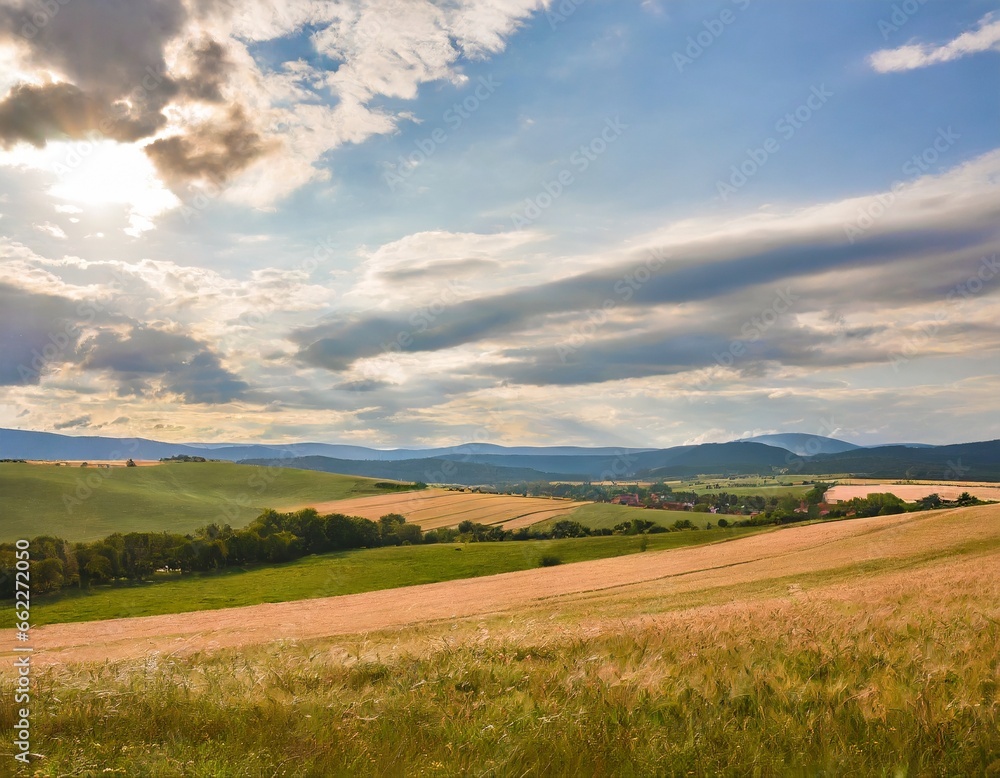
[
  {"x": 37, "y": 331},
  {"x": 109, "y": 50},
  {"x": 668, "y": 353},
  {"x": 211, "y": 70},
  {"x": 715, "y": 272},
  {"x": 80, "y": 421},
  {"x": 183, "y": 365},
  {"x": 211, "y": 152},
  {"x": 111, "y": 53},
  {"x": 36, "y": 113}
]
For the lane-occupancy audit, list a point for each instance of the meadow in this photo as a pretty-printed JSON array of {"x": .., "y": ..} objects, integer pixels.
[
  {"x": 346, "y": 572},
  {"x": 88, "y": 503},
  {"x": 867, "y": 647}
]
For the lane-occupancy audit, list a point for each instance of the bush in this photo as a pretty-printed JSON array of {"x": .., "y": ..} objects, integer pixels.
[{"x": 549, "y": 560}]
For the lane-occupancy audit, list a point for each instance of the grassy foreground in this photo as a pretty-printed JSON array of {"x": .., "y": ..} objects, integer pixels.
[
  {"x": 861, "y": 671},
  {"x": 77, "y": 503},
  {"x": 346, "y": 572}
]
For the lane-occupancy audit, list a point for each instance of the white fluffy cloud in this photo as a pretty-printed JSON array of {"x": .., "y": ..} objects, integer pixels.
[
  {"x": 180, "y": 84},
  {"x": 985, "y": 37}
]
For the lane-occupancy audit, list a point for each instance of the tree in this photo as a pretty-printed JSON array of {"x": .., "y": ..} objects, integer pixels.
[
  {"x": 930, "y": 502},
  {"x": 47, "y": 575},
  {"x": 98, "y": 568},
  {"x": 130, "y": 463}
]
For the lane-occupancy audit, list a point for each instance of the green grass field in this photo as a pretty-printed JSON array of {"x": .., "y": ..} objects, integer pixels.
[
  {"x": 604, "y": 515},
  {"x": 88, "y": 503},
  {"x": 347, "y": 572}
]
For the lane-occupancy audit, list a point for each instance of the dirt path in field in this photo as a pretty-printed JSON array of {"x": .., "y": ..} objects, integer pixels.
[{"x": 793, "y": 551}]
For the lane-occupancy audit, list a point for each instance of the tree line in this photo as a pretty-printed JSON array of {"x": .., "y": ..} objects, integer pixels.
[{"x": 271, "y": 538}]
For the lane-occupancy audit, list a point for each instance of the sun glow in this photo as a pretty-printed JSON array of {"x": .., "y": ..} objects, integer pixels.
[{"x": 97, "y": 174}]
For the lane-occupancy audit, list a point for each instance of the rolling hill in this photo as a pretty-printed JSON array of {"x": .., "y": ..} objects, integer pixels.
[
  {"x": 964, "y": 461},
  {"x": 430, "y": 470},
  {"x": 804, "y": 445},
  {"x": 87, "y": 503},
  {"x": 27, "y": 444}
]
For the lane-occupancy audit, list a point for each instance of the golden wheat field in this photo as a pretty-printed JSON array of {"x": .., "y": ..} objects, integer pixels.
[
  {"x": 855, "y": 648},
  {"x": 801, "y": 551},
  {"x": 439, "y": 508},
  {"x": 913, "y": 492}
]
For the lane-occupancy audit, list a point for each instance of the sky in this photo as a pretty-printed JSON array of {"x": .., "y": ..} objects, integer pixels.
[{"x": 404, "y": 223}]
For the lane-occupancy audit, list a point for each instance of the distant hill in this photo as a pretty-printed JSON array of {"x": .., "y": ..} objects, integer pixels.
[
  {"x": 963, "y": 461},
  {"x": 26, "y": 444},
  {"x": 716, "y": 458},
  {"x": 487, "y": 463},
  {"x": 803, "y": 444},
  {"x": 427, "y": 470}
]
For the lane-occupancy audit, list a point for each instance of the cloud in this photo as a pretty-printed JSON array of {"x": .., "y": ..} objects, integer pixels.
[
  {"x": 178, "y": 363},
  {"x": 985, "y": 37},
  {"x": 721, "y": 280},
  {"x": 80, "y": 421},
  {"x": 34, "y": 114},
  {"x": 210, "y": 70},
  {"x": 38, "y": 332},
  {"x": 51, "y": 229},
  {"x": 103, "y": 51},
  {"x": 185, "y": 76},
  {"x": 209, "y": 151}
]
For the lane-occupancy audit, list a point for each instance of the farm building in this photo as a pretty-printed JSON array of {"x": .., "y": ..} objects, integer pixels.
[{"x": 626, "y": 499}]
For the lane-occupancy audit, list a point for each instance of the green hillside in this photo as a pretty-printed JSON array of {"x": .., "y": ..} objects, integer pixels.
[{"x": 89, "y": 503}]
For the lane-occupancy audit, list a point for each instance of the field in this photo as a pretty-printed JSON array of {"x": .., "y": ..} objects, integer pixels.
[
  {"x": 865, "y": 647},
  {"x": 347, "y": 572},
  {"x": 90, "y": 503},
  {"x": 437, "y": 508},
  {"x": 604, "y": 515},
  {"x": 912, "y": 492}
]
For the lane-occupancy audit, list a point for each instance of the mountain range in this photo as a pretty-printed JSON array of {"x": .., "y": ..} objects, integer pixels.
[{"x": 474, "y": 463}]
